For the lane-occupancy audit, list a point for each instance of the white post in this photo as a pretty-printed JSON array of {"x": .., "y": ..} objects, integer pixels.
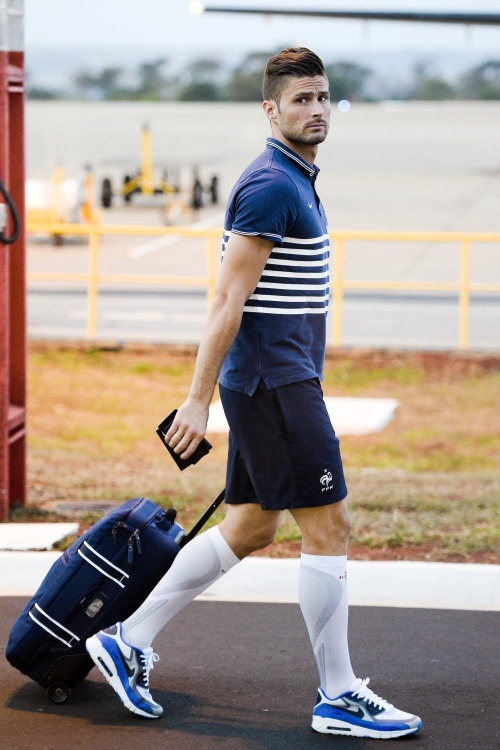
[{"x": 11, "y": 25}]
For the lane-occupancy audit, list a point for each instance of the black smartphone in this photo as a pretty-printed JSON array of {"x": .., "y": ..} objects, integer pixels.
[{"x": 182, "y": 463}]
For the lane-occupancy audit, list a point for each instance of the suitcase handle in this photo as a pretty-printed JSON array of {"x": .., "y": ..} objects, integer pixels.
[
  {"x": 201, "y": 451},
  {"x": 204, "y": 518}
]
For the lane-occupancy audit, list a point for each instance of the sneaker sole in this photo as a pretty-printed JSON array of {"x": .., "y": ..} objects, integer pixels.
[
  {"x": 106, "y": 667},
  {"x": 335, "y": 726}
]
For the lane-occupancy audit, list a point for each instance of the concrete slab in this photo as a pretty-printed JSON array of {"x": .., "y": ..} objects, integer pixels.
[
  {"x": 360, "y": 416},
  {"x": 424, "y": 585},
  {"x": 21, "y": 573},
  {"x": 33, "y": 536},
  {"x": 376, "y": 584},
  {"x": 349, "y": 416}
]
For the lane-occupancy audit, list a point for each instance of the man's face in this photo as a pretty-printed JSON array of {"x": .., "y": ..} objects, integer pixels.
[{"x": 303, "y": 113}]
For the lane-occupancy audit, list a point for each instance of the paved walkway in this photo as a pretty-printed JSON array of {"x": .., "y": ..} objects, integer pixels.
[
  {"x": 259, "y": 579},
  {"x": 241, "y": 676},
  {"x": 237, "y": 672}
]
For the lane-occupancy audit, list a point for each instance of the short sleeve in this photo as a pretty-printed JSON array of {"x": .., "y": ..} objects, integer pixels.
[{"x": 265, "y": 206}]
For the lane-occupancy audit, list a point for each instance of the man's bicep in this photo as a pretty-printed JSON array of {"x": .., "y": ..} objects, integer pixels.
[{"x": 244, "y": 260}]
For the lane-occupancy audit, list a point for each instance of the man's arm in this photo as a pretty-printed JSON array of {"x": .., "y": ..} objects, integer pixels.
[{"x": 244, "y": 261}]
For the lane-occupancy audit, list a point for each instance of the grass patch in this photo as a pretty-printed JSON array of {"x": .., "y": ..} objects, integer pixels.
[
  {"x": 349, "y": 376},
  {"x": 429, "y": 481},
  {"x": 452, "y": 515}
]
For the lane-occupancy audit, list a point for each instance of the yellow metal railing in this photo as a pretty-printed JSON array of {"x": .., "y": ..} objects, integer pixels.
[
  {"x": 464, "y": 286},
  {"x": 93, "y": 277}
]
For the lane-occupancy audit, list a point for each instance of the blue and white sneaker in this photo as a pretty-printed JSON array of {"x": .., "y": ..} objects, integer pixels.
[
  {"x": 126, "y": 668},
  {"x": 361, "y": 713}
]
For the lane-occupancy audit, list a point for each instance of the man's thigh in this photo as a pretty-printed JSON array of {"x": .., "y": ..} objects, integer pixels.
[{"x": 283, "y": 451}]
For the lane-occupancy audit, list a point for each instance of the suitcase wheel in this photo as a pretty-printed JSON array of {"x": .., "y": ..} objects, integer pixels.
[{"x": 58, "y": 692}]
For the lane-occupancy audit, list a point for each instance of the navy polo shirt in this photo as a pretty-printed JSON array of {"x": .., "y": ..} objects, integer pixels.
[{"x": 283, "y": 330}]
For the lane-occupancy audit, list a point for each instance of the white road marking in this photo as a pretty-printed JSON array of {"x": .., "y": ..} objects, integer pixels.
[
  {"x": 134, "y": 315},
  {"x": 160, "y": 242},
  {"x": 187, "y": 318},
  {"x": 126, "y": 316}
]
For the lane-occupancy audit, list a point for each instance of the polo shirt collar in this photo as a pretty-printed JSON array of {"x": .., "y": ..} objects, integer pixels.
[{"x": 311, "y": 171}]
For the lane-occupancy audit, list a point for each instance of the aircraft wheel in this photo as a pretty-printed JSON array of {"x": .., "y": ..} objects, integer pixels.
[
  {"x": 106, "y": 193},
  {"x": 197, "y": 197},
  {"x": 214, "y": 189}
]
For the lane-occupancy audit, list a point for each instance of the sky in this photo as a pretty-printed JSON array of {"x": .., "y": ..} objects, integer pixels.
[{"x": 168, "y": 25}]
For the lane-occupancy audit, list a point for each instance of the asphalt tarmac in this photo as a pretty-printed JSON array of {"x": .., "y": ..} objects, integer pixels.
[
  {"x": 419, "y": 166},
  {"x": 241, "y": 676},
  {"x": 411, "y": 321}
]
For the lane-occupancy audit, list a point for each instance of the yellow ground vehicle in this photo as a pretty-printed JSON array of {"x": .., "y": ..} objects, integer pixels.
[{"x": 148, "y": 183}]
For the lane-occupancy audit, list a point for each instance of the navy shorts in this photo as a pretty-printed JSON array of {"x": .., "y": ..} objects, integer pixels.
[{"x": 283, "y": 452}]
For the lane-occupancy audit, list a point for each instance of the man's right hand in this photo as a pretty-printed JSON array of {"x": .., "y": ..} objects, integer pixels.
[{"x": 188, "y": 428}]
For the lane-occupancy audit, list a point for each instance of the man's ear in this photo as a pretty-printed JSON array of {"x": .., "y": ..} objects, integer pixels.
[{"x": 270, "y": 108}]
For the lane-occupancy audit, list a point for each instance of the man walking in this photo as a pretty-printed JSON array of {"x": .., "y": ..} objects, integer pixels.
[{"x": 264, "y": 342}]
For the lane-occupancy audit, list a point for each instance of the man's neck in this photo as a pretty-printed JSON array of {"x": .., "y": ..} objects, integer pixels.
[{"x": 306, "y": 151}]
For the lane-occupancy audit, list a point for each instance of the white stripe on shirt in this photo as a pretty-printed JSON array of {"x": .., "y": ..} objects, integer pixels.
[
  {"x": 291, "y": 275},
  {"x": 287, "y": 298},
  {"x": 297, "y": 263},
  {"x": 300, "y": 251},
  {"x": 302, "y": 241},
  {"x": 300, "y": 287},
  {"x": 287, "y": 311}
]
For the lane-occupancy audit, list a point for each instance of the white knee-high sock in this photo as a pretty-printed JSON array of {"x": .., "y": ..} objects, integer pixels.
[
  {"x": 201, "y": 562},
  {"x": 324, "y": 606}
]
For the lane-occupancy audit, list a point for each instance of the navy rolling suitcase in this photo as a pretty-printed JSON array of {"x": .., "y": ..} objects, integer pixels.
[{"x": 99, "y": 580}]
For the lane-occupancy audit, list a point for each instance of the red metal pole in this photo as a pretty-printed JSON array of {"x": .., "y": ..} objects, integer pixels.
[
  {"x": 12, "y": 264},
  {"x": 17, "y": 287},
  {"x": 4, "y": 301}
]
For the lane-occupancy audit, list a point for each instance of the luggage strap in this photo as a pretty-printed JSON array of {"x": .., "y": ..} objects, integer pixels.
[
  {"x": 102, "y": 564},
  {"x": 45, "y": 621}
]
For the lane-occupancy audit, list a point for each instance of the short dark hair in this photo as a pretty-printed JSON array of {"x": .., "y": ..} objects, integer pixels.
[{"x": 294, "y": 62}]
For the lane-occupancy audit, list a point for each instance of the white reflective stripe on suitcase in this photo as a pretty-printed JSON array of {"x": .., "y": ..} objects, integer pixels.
[
  {"x": 73, "y": 635},
  {"x": 94, "y": 552}
]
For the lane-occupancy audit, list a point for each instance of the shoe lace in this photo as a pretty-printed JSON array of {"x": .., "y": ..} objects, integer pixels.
[
  {"x": 148, "y": 658},
  {"x": 361, "y": 690}
]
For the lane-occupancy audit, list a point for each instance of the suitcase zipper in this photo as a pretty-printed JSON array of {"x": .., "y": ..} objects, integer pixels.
[
  {"x": 121, "y": 525},
  {"x": 135, "y": 537},
  {"x": 114, "y": 533}
]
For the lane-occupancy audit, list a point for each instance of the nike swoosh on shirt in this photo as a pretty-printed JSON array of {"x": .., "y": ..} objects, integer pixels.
[{"x": 310, "y": 205}]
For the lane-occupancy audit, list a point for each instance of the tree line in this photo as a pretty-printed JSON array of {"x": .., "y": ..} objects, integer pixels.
[{"x": 206, "y": 79}]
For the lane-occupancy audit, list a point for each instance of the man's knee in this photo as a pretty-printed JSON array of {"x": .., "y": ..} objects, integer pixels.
[
  {"x": 259, "y": 538},
  {"x": 325, "y": 530},
  {"x": 342, "y": 523},
  {"x": 333, "y": 530},
  {"x": 244, "y": 541},
  {"x": 247, "y": 528}
]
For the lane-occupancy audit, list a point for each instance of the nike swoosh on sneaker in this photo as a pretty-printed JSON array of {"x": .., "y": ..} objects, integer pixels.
[
  {"x": 357, "y": 712},
  {"x": 130, "y": 672}
]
